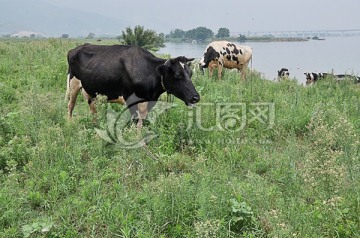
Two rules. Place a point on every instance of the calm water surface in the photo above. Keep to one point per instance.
(340, 54)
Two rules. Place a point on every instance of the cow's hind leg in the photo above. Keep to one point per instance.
(74, 86)
(91, 101)
(243, 71)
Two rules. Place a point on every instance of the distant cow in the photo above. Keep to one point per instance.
(283, 73)
(127, 73)
(228, 55)
(311, 78)
(339, 77)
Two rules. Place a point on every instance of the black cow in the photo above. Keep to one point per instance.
(127, 73)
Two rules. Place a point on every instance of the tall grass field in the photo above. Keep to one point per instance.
(254, 158)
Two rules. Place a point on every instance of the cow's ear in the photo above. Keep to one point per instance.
(161, 69)
(182, 59)
(179, 59)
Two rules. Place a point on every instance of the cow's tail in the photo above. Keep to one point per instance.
(251, 62)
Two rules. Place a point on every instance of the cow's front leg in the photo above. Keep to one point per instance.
(119, 100)
(219, 70)
(210, 72)
(142, 113)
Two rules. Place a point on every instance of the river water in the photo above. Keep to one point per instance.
(338, 54)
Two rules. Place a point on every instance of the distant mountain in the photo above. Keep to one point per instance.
(50, 20)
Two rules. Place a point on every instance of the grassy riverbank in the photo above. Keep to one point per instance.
(253, 159)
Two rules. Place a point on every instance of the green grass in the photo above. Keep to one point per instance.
(296, 174)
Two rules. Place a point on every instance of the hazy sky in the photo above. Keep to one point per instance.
(236, 15)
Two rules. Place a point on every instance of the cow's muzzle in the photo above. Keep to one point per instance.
(195, 99)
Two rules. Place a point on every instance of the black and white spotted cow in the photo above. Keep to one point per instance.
(354, 78)
(311, 78)
(283, 73)
(228, 55)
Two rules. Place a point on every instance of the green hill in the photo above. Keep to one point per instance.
(50, 20)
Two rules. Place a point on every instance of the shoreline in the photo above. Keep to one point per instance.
(237, 39)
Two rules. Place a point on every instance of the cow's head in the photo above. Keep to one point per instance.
(357, 80)
(310, 78)
(210, 55)
(176, 79)
(283, 73)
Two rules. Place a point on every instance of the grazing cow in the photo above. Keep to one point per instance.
(127, 74)
(283, 73)
(311, 78)
(228, 55)
(339, 77)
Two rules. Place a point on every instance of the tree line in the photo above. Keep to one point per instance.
(151, 40)
(199, 33)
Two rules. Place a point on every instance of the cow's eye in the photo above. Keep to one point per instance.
(179, 76)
